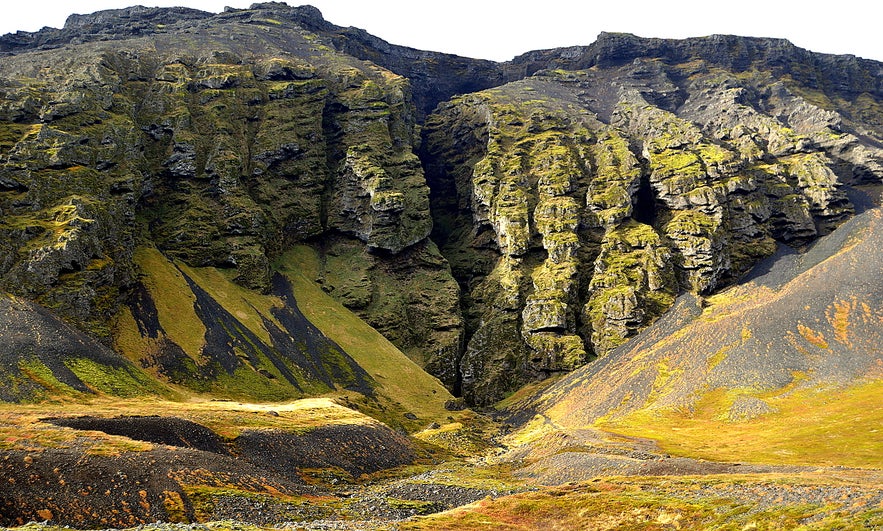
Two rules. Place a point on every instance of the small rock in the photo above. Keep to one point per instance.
(456, 404)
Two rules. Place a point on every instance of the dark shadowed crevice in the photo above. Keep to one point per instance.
(644, 202)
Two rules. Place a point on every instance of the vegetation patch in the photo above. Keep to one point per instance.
(405, 387)
(731, 502)
(815, 426)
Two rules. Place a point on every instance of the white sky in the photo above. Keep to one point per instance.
(500, 30)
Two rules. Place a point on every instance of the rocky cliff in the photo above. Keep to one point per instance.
(574, 205)
(499, 222)
(220, 141)
(801, 322)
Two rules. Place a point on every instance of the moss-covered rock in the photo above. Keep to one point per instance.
(221, 147)
(633, 283)
(581, 202)
(221, 156)
(410, 297)
(224, 139)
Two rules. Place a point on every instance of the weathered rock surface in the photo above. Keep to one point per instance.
(222, 140)
(801, 321)
(574, 205)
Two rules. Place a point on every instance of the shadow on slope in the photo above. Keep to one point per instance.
(198, 329)
(41, 356)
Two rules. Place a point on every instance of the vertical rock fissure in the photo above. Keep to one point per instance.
(644, 202)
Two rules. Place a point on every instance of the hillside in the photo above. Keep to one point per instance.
(222, 157)
(270, 263)
(782, 368)
(694, 158)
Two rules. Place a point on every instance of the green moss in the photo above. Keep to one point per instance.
(713, 154)
(744, 254)
(11, 134)
(35, 370)
(633, 284)
(403, 386)
(691, 222)
(247, 383)
(174, 301)
(123, 381)
(562, 352)
(412, 507)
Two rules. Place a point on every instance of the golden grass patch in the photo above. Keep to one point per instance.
(812, 426)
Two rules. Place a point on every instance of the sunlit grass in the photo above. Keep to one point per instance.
(657, 503)
(812, 426)
(400, 379)
(21, 427)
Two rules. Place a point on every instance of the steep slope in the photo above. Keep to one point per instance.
(43, 357)
(434, 76)
(575, 205)
(560, 213)
(783, 367)
(196, 328)
(204, 217)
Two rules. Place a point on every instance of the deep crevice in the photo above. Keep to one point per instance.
(644, 202)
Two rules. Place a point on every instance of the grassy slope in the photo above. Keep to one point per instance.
(174, 305)
(816, 427)
(174, 301)
(806, 350)
(401, 379)
(404, 386)
(664, 503)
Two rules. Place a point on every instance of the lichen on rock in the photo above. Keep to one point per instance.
(581, 202)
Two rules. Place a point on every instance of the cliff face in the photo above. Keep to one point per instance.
(802, 321)
(220, 142)
(553, 209)
(574, 205)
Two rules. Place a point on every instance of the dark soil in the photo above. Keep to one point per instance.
(30, 332)
(71, 487)
(171, 431)
(357, 449)
(238, 479)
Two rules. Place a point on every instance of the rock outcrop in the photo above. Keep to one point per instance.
(574, 205)
(222, 140)
(801, 322)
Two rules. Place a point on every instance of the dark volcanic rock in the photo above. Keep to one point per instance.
(72, 487)
(170, 431)
(37, 342)
(356, 449)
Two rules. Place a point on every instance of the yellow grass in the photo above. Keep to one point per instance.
(174, 300)
(401, 380)
(812, 426)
